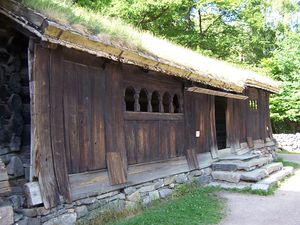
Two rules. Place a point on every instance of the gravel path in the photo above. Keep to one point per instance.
(281, 209)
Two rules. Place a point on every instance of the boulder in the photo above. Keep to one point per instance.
(15, 167)
(66, 219)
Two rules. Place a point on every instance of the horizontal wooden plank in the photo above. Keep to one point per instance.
(216, 93)
(152, 116)
(97, 182)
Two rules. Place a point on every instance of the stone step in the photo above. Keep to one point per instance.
(273, 179)
(234, 165)
(229, 176)
(277, 176)
(226, 185)
(273, 167)
(243, 157)
(254, 175)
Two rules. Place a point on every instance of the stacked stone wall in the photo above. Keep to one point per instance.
(289, 142)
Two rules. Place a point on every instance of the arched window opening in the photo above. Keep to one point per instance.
(129, 99)
(176, 104)
(155, 101)
(166, 102)
(143, 100)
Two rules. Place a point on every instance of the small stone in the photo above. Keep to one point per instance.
(203, 180)
(88, 201)
(147, 188)
(154, 195)
(6, 215)
(41, 211)
(116, 205)
(181, 179)
(164, 193)
(197, 173)
(81, 211)
(172, 185)
(15, 143)
(129, 190)
(29, 212)
(169, 180)
(17, 217)
(29, 221)
(130, 205)
(118, 196)
(159, 184)
(134, 197)
(16, 201)
(232, 177)
(15, 167)
(146, 201)
(66, 219)
(207, 171)
(109, 194)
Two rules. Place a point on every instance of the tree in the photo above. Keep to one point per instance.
(284, 66)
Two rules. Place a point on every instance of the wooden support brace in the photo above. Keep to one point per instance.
(192, 159)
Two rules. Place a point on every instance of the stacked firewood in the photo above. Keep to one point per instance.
(14, 103)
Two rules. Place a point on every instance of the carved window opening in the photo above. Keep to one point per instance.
(155, 101)
(176, 104)
(253, 104)
(166, 102)
(143, 100)
(129, 98)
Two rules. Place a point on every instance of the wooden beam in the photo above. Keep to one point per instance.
(216, 93)
(192, 160)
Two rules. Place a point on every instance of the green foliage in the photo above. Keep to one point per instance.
(284, 66)
(288, 163)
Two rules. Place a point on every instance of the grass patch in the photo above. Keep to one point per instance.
(288, 152)
(189, 204)
(288, 163)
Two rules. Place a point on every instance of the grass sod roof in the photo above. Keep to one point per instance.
(65, 23)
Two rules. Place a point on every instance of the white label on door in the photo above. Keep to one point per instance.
(197, 133)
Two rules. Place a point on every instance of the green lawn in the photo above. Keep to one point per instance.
(189, 205)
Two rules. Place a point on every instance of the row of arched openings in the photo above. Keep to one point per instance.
(144, 101)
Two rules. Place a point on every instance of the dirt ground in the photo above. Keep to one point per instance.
(281, 209)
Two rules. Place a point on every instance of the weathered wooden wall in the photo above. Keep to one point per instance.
(152, 136)
(81, 124)
(200, 116)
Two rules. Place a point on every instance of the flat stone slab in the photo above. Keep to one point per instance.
(225, 166)
(225, 185)
(254, 175)
(261, 187)
(249, 165)
(273, 167)
(232, 177)
(243, 157)
(277, 176)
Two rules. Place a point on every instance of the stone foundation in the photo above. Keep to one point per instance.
(289, 142)
(129, 197)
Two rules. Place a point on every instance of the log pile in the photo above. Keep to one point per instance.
(14, 106)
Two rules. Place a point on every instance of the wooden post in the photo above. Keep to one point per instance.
(149, 106)
(213, 131)
(137, 107)
(192, 160)
(114, 125)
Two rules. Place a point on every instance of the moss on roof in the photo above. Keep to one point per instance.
(118, 34)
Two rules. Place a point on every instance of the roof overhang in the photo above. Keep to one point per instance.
(216, 93)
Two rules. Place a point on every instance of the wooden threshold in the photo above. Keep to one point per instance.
(97, 182)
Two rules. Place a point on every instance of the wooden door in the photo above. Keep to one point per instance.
(83, 105)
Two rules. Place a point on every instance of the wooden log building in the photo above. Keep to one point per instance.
(102, 116)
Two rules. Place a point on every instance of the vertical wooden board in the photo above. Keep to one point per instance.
(154, 137)
(229, 112)
(116, 169)
(164, 142)
(41, 109)
(83, 118)
(172, 139)
(189, 121)
(213, 131)
(97, 149)
(71, 117)
(192, 160)
(270, 132)
(141, 142)
(114, 121)
(180, 138)
(130, 139)
(57, 125)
